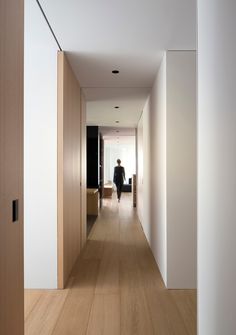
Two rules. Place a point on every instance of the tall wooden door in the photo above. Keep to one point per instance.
(11, 167)
(83, 170)
(69, 189)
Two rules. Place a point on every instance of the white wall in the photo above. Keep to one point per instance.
(216, 167)
(169, 165)
(125, 151)
(40, 162)
(146, 190)
(181, 173)
(139, 141)
(152, 169)
(158, 169)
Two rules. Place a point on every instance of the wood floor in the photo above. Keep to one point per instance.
(115, 287)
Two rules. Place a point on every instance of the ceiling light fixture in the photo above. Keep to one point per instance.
(115, 71)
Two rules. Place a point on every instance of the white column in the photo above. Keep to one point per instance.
(216, 167)
(168, 206)
(181, 164)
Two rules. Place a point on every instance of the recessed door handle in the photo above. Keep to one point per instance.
(15, 210)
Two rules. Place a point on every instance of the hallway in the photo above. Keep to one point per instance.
(115, 287)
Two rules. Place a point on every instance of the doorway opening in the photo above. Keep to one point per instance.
(104, 146)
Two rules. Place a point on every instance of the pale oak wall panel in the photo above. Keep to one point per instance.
(69, 160)
(11, 166)
(83, 172)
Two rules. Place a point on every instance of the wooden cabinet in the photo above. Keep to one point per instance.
(107, 193)
(92, 201)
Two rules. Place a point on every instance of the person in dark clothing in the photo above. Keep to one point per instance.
(119, 177)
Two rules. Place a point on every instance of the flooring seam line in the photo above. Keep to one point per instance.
(31, 310)
(90, 312)
(119, 267)
(145, 294)
(143, 288)
(91, 307)
(59, 315)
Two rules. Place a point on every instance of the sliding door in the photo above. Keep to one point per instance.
(11, 167)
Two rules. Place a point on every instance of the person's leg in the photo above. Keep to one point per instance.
(120, 189)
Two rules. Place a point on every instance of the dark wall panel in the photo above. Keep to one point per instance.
(92, 157)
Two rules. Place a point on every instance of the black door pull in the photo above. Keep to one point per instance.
(15, 210)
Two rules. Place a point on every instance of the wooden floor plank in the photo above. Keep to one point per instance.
(43, 317)
(105, 315)
(75, 314)
(186, 302)
(108, 276)
(31, 299)
(86, 277)
(116, 288)
(135, 314)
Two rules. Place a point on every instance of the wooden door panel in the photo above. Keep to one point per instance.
(83, 169)
(11, 166)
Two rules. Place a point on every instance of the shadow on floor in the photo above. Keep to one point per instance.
(90, 222)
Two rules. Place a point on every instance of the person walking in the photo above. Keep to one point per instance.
(119, 177)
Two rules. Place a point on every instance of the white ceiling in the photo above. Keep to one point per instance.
(114, 132)
(101, 105)
(128, 35)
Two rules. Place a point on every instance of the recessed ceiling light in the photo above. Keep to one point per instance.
(117, 107)
(115, 71)
(117, 121)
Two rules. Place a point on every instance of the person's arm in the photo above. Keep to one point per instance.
(114, 176)
(124, 173)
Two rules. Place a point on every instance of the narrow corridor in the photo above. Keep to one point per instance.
(115, 287)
